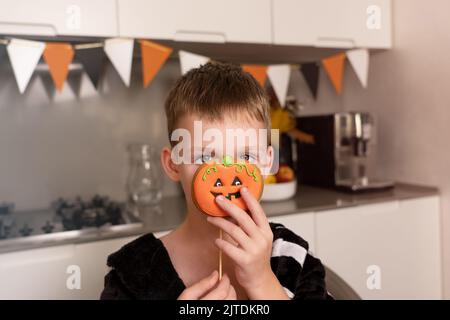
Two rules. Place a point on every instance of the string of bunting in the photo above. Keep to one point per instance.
(24, 56)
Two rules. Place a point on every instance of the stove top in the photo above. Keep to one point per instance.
(64, 215)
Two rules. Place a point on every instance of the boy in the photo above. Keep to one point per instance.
(260, 260)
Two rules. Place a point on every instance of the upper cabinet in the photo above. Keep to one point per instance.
(93, 18)
(333, 23)
(247, 21)
(317, 23)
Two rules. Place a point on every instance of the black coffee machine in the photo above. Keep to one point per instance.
(341, 153)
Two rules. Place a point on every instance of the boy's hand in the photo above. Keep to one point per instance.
(205, 290)
(252, 255)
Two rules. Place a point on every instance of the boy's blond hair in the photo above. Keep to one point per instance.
(215, 89)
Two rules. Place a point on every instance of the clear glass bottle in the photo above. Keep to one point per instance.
(144, 182)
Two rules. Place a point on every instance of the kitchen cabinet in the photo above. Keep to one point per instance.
(246, 21)
(94, 18)
(43, 273)
(300, 223)
(384, 251)
(333, 23)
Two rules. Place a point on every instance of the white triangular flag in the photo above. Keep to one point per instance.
(279, 75)
(120, 53)
(24, 56)
(359, 59)
(190, 61)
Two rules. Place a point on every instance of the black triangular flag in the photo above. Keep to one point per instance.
(310, 72)
(93, 62)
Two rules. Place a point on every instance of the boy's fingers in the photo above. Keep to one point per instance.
(221, 291)
(197, 290)
(241, 217)
(232, 229)
(258, 215)
(236, 254)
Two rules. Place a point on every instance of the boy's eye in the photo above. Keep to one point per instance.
(203, 158)
(218, 183)
(247, 157)
(236, 182)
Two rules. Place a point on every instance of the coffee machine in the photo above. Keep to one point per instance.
(341, 154)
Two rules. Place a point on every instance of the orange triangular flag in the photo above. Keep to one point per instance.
(153, 57)
(259, 72)
(334, 67)
(58, 57)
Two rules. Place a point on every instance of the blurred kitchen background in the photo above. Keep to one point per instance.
(64, 145)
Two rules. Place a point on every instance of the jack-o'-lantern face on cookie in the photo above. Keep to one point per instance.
(226, 178)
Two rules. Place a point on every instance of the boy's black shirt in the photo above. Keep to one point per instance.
(142, 269)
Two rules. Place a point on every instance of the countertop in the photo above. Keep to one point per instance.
(170, 213)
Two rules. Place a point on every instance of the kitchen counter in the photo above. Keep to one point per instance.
(170, 213)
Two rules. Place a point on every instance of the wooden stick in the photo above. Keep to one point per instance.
(220, 256)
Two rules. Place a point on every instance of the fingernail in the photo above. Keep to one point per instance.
(220, 198)
(244, 190)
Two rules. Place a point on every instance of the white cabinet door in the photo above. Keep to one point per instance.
(43, 273)
(384, 251)
(36, 274)
(301, 223)
(332, 23)
(59, 17)
(197, 20)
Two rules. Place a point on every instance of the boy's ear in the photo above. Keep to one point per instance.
(268, 161)
(168, 165)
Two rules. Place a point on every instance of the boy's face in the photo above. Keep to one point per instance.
(208, 149)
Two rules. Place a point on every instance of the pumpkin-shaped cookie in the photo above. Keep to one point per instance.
(226, 178)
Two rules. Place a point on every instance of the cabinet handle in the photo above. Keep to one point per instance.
(332, 42)
(42, 29)
(199, 36)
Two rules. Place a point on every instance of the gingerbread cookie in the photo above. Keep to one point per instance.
(226, 178)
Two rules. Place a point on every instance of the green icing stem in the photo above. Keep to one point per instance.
(239, 167)
(208, 171)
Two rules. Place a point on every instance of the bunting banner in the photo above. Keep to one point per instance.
(259, 72)
(359, 60)
(279, 76)
(334, 67)
(92, 60)
(153, 58)
(58, 57)
(24, 56)
(120, 53)
(190, 61)
(311, 72)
